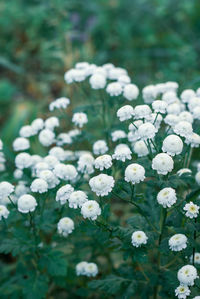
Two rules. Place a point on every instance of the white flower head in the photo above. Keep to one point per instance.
(23, 160)
(77, 199)
(142, 111)
(139, 238)
(171, 120)
(86, 163)
(39, 185)
(183, 128)
(51, 161)
(102, 184)
(3, 212)
(46, 137)
(193, 140)
(100, 147)
(63, 193)
(196, 258)
(162, 163)
(114, 89)
(60, 103)
(51, 123)
(197, 177)
(159, 106)
(117, 135)
(187, 94)
(91, 269)
(103, 162)
(80, 268)
(50, 178)
(134, 173)
(131, 92)
(140, 148)
(182, 171)
(97, 81)
(91, 210)
(37, 125)
(124, 113)
(186, 116)
(26, 203)
(178, 242)
(65, 226)
(147, 131)
(79, 119)
(21, 144)
(122, 152)
(149, 93)
(57, 152)
(187, 275)
(167, 197)
(26, 131)
(65, 171)
(191, 209)
(182, 292)
(63, 138)
(6, 189)
(172, 145)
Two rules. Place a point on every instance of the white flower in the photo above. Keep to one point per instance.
(187, 94)
(197, 177)
(118, 134)
(90, 209)
(65, 172)
(133, 127)
(61, 103)
(196, 297)
(57, 152)
(1, 145)
(186, 116)
(187, 275)
(86, 163)
(39, 185)
(178, 242)
(18, 173)
(63, 138)
(183, 128)
(149, 93)
(147, 131)
(23, 160)
(21, 189)
(167, 197)
(26, 203)
(77, 199)
(65, 226)
(159, 106)
(100, 147)
(3, 212)
(6, 189)
(169, 97)
(191, 209)
(77, 75)
(97, 81)
(63, 193)
(193, 140)
(115, 72)
(134, 173)
(37, 125)
(196, 258)
(51, 161)
(80, 268)
(196, 112)
(21, 144)
(172, 145)
(40, 166)
(138, 238)
(162, 163)
(182, 292)
(193, 103)
(51, 123)
(125, 112)
(82, 65)
(102, 184)
(46, 137)
(114, 89)
(26, 131)
(79, 119)
(174, 108)
(103, 162)
(124, 80)
(122, 152)
(91, 269)
(74, 133)
(131, 92)
(171, 120)
(140, 148)
(142, 111)
(50, 178)
(182, 171)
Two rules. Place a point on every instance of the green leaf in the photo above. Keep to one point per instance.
(55, 263)
(35, 286)
(13, 246)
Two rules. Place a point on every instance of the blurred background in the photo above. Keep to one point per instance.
(156, 40)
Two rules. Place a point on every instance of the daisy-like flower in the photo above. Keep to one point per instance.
(191, 209)
(167, 197)
(86, 163)
(3, 212)
(131, 92)
(134, 173)
(171, 120)
(65, 226)
(65, 172)
(118, 134)
(169, 97)
(193, 140)
(140, 148)
(21, 144)
(6, 189)
(51, 161)
(182, 292)
(103, 162)
(114, 89)
(61, 103)
(39, 185)
(142, 111)
(159, 106)
(187, 94)
(162, 163)
(100, 147)
(186, 116)
(91, 210)
(183, 128)
(122, 152)
(37, 125)
(80, 119)
(139, 238)
(27, 131)
(147, 131)
(77, 199)
(124, 113)
(63, 193)
(187, 275)
(50, 178)
(57, 152)
(46, 137)
(91, 270)
(172, 145)
(178, 242)
(26, 203)
(97, 81)
(102, 184)
(23, 160)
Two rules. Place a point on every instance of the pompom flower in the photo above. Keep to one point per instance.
(167, 197)
(102, 184)
(139, 238)
(162, 163)
(187, 275)
(26, 203)
(178, 242)
(134, 173)
(91, 210)
(65, 226)
(191, 209)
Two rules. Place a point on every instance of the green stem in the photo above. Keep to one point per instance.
(195, 236)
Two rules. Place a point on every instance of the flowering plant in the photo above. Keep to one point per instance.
(116, 197)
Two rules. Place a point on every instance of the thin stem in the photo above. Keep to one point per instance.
(32, 224)
(195, 236)
(12, 202)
